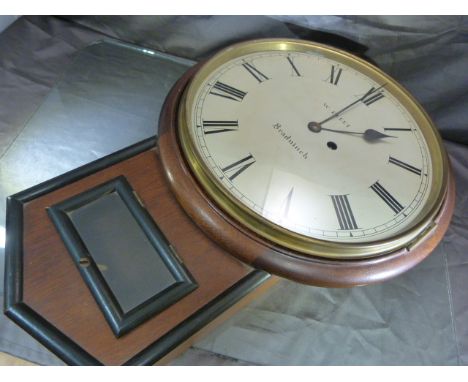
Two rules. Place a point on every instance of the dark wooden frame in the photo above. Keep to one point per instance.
(120, 322)
(52, 338)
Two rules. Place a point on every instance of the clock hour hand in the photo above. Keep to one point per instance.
(369, 135)
(373, 135)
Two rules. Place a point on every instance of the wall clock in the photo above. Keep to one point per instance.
(307, 161)
(295, 158)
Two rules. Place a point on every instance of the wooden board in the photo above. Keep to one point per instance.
(46, 295)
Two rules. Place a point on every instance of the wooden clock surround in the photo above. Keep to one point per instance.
(260, 253)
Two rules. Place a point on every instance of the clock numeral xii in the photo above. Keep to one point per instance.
(373, 95)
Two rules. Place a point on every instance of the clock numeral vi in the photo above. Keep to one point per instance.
(343, 212)
(214, 127)
(222, 90)
(387, 197)
(235, 169)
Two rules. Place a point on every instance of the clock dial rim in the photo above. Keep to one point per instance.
(260, 253)
(280, 235)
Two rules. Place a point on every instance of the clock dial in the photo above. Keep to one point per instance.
(312, 144)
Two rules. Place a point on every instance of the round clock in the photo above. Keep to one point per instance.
(307, 161)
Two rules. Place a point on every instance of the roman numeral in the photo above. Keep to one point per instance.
(214, 127)
(373, 95)
(387, 197)
(259, 76)
(235, 169)
(293, 66)
(226, 91)
(335, 75)
(404, 165)
(343, 212)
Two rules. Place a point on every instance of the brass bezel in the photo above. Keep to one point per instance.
(277, 234)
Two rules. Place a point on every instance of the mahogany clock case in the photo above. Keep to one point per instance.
(263, 254)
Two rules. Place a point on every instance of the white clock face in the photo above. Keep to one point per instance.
(312, 145)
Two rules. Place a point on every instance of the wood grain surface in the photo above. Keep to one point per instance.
(54, 288)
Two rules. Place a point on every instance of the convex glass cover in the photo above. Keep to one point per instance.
(312, 148)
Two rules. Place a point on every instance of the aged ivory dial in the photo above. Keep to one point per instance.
(313, 145)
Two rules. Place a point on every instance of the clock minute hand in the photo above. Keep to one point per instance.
(338, 113)
(369, 135)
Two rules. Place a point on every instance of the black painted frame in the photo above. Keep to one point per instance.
(52, 338)
(120, 322)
